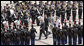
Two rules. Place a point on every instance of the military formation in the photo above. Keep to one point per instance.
(16, 20)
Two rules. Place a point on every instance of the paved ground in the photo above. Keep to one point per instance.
(44, 41)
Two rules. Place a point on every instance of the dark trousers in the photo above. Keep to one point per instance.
(74, 40)
(68, 14)
(27, 42)
(58, 13)
(22, 42)
(62, 17)
(42, 31)
(54, 41)
(70, 40)
(80, 13)
(32, 41)
(37, 20)
(63, 41)
(79, 39)
(47, 32)
(74, 15)
(33, 19)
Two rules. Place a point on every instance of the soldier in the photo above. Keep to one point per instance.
(70, 34)
(63, 12)
(58, 34)
(75, 31)
(80, 8)
(74, 7)
(33, 31)
(28, 36)
(68, 10)
(17, 37)
(80, 29)
(64, 34)
(58, 8)
(33, 14)
(54, 32)
(23, 35)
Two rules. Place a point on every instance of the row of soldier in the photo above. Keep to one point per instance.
(23, 13)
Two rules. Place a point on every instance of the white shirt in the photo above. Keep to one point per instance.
(57, 22)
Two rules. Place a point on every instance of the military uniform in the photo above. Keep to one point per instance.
(68, 10)
(28, 36)
(74, 10)
(80, 8)
(62, 12)
(70, 34)
(33, 30)
(54, 32)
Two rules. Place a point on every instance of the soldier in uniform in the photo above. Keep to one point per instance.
(80, 8)
(68, 10)
(80, 33)
(33, 14)
(33, 31)
(74, 7)
(28, 36)
(23, 35)
(58, 34)
(63, 12)
(70, 34)
(58, 8)
(64, 34)
(75, 31)
(54, 32)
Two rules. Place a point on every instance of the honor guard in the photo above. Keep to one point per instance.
(80, 33)
(28, 36)
(63, 12)
(75, 31)
(58, 8)
(54, 32)
(70, 34)
(74, 8)
(33, 31)
(80, 9)
(58, 35)
(68, 10)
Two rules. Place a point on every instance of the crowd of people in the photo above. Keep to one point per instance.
(15, 22)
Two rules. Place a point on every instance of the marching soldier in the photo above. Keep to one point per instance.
(63, 12)
(80, 8)
(58, 8)
(68, 10)
(74, 7)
